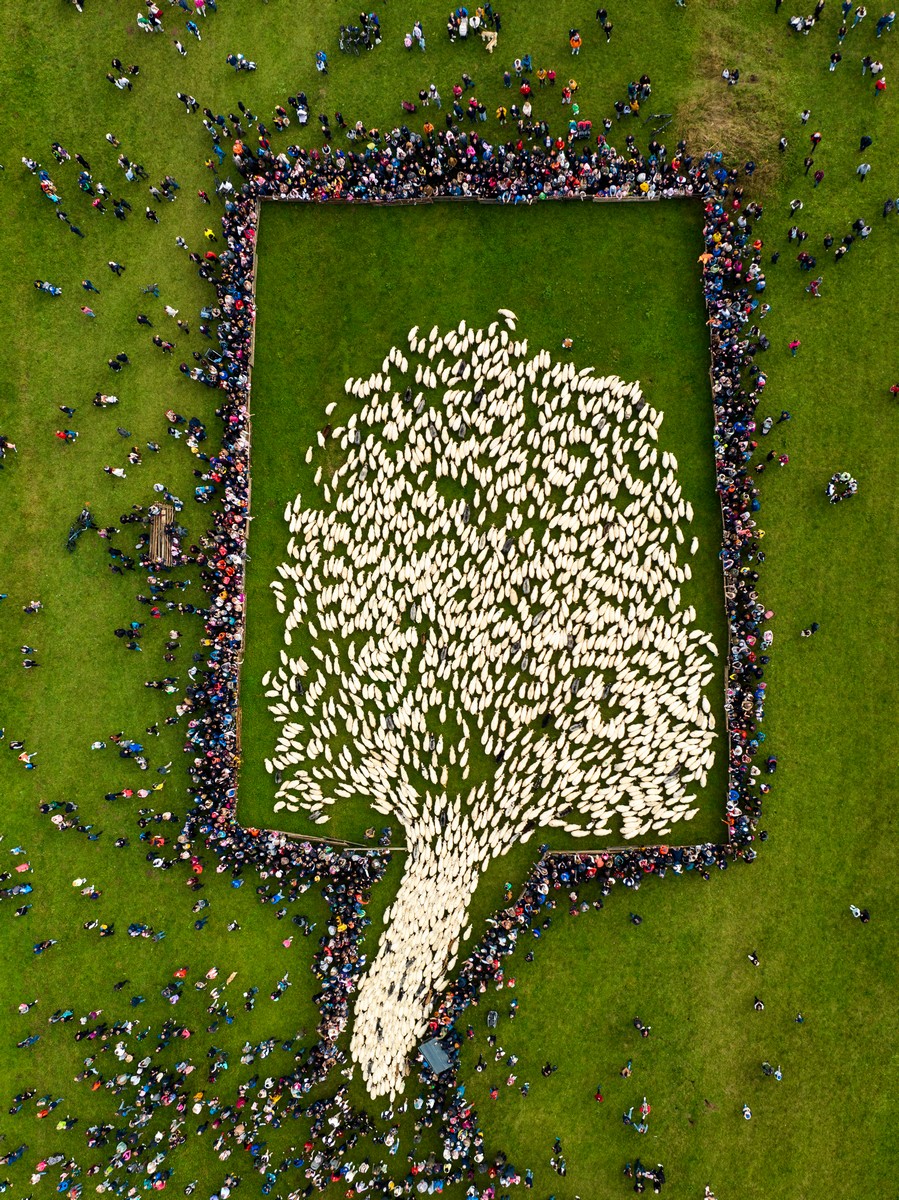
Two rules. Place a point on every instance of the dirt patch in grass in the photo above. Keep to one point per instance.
(743, 121)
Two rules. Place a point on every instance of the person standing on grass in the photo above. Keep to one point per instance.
(794, 346)
(862, 171)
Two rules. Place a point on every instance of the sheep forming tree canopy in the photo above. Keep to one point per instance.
(489, 602)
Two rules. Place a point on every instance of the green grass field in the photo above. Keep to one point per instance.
(586, 271)
(825, 1130)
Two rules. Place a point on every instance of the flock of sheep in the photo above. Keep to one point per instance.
(485, 600)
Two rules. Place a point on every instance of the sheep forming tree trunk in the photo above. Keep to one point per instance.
(418, 949)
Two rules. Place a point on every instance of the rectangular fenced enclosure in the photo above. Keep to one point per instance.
(337, 287)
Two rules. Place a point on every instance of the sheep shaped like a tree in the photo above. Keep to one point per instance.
(487, 589)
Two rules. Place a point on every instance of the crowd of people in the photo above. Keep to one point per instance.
(455, 161)
(404, 166)
(459, 162)
(286, 868)
(840, 486)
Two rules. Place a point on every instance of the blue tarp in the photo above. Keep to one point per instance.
(435, 1056)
